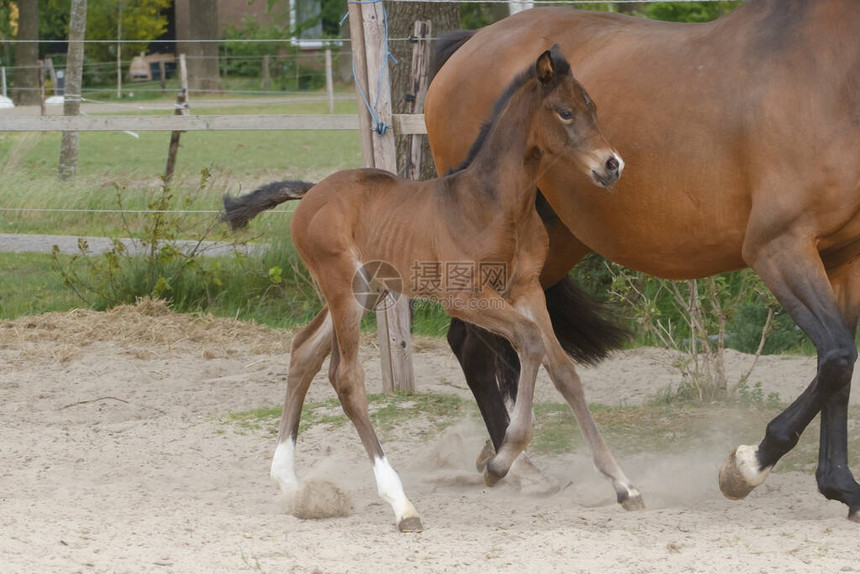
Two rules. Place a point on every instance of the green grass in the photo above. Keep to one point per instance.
(675, 428)
(627, 430)
(28, 286)
(114, 160)
(386, 411)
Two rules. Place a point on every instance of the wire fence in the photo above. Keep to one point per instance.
(284, 62)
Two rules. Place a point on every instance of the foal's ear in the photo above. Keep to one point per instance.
(551, 64)
(545, 68)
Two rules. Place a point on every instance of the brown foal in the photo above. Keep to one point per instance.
(483, 214)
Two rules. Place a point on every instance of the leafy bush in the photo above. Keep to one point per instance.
(689, 11)
(290, 69)
(158, 269)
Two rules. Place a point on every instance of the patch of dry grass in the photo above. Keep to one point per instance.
(148, 323)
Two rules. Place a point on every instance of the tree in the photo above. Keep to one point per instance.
(690, 11)
(26, 89)
(8, 27)
(401, 20)
(203, 55)
(143, 20)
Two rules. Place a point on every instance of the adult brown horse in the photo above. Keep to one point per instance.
(742, 143)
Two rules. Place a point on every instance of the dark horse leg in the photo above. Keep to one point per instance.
(491, 366)
(479, 353)
(835, 480)
(824, 303)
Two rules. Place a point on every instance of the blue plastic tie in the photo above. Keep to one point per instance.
(379, 127)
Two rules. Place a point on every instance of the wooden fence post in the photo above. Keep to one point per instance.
(41, 66)
(266, 77)
(181, 110)
(49, 66)
(162, 76)
(370, 57)
(418, 90)
(329, 81)
(73, 93)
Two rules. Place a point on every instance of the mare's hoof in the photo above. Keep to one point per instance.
(854, 515)
(740, 473)
(410, 524)
(484, 456)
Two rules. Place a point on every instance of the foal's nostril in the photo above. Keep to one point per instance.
(612, 166)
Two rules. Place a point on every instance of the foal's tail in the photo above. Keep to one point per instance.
(238, 211)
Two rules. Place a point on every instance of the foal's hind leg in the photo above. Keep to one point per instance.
(793, 270)
(310, 348)
(347, 377)
(563, 374)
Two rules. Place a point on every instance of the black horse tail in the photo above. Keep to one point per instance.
(446, 45)
(238, 211)
(581, 325)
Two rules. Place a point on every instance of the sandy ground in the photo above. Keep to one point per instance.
(118, 455)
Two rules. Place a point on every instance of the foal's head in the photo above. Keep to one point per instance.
(566, 125)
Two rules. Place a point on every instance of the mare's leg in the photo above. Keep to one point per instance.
(476, 350)
(835, 480)
(563, 373)
(497, 316)
(310, 348)
(347, 376)
(793, 270)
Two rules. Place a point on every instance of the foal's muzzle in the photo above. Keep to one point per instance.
(609, 172)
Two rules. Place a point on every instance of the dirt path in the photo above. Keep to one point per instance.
(119, 455)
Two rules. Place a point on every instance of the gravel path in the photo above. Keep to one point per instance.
(23, 243)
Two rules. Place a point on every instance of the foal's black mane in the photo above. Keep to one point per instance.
(562, 67)
(488, 124)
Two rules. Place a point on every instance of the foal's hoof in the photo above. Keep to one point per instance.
(632, 502)
(491, 478)
(740, 474)
(410, 524)
(485, 455)
(854, 515)
(531, 480)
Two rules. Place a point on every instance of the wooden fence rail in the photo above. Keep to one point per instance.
(404, 124)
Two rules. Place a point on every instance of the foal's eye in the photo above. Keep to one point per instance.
(566, 115)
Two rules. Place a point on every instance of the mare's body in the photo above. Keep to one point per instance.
(742, 142)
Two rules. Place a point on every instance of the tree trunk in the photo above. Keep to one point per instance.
(26, 90)
(203, 56)
(401, 21)
(72, 99)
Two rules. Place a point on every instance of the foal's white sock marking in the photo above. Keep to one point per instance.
(391, 489)
(746, 459)
(283, 471)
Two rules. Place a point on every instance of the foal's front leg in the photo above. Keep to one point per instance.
(563, 374)
(499, 317)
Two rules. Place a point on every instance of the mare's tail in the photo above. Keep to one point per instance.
(238, 211)
(449, 43)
